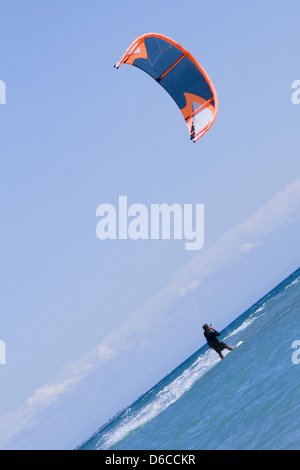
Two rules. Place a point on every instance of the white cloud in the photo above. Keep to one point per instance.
(72, 374)
(105, 352)
(245, 247)
(279, 210)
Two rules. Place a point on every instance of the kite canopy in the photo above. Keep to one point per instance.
(176, 70)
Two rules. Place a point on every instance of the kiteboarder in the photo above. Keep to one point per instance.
(212, 341)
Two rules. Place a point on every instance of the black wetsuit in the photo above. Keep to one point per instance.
(213, 342)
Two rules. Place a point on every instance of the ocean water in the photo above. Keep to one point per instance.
(249, 400)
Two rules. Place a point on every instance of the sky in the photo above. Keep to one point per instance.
(91, 324)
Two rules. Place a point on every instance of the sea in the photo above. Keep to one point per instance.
(250, 400)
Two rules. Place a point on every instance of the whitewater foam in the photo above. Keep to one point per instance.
(242, 327)
(296, 281)
(166, 397)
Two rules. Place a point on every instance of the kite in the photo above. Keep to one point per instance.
(178, 72)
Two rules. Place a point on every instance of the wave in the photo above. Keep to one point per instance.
(260, 309)
(242, 327)
(296, 281)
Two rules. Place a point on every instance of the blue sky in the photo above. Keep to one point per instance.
(89, 325)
